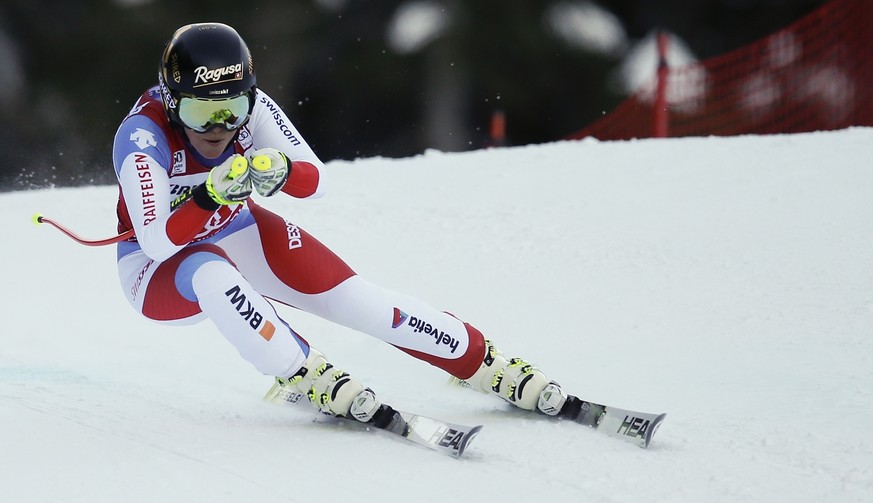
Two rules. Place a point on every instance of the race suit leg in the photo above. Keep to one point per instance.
(285, 263)
(200, 281)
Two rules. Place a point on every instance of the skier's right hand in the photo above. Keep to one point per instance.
(230, 182)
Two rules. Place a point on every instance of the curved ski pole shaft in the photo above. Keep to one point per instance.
(38, 218)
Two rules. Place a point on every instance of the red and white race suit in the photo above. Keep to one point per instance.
(187, 263)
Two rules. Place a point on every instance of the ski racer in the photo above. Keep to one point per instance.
(188, 156)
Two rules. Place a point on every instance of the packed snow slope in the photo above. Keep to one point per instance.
(725, 281)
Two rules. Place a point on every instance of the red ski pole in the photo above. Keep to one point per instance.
(38, 218)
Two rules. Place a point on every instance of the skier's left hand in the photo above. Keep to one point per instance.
(270, 170)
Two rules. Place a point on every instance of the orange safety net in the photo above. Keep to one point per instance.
(816, 74)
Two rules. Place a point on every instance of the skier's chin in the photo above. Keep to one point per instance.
(210, 144)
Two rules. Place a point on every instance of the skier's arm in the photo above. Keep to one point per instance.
(271, 128)
(140, 155)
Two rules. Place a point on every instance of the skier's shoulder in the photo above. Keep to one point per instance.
(267, 111)
(145, 130)
(270, 125)
(149, 105)
(146, 118)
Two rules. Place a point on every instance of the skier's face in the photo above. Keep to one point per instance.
(212, 143)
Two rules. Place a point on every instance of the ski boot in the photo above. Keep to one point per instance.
(332, 390)
(518, 382)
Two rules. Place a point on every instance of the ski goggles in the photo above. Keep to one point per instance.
(202, 114)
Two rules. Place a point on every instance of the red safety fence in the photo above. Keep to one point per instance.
(816, 74)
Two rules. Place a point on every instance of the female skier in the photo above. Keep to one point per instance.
(188, 156)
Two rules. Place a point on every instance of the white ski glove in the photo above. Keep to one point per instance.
(230, 182)
(270, 170)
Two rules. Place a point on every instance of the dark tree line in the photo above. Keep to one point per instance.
(73, 68)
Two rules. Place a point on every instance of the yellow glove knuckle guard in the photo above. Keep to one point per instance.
(262, 162)
(238, 167)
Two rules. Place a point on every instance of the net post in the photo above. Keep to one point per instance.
(660, 116)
